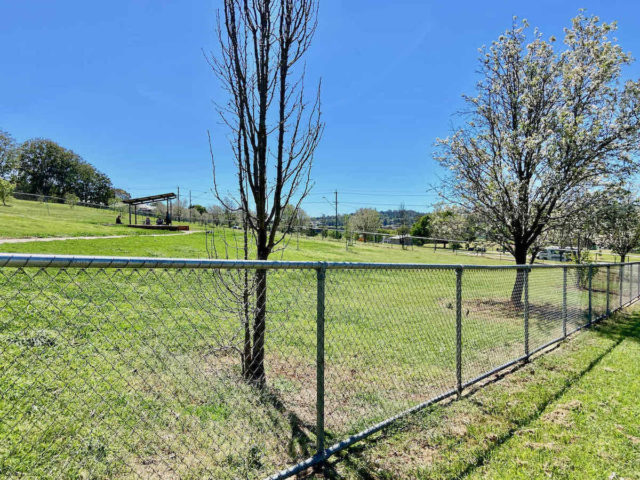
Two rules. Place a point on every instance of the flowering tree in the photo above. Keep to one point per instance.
(544, 130)
(619, 224)
(365, 220)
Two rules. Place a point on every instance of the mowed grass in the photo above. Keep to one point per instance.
(25, 218)
(569, 414)
(306, 249)
(126, 373)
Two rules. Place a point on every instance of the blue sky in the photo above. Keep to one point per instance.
(125, 85)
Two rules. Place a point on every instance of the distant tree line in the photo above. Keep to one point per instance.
(41, 166)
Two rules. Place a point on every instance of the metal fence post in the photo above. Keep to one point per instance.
(321, 276)
(590, 294)
(630, 282)
(621, 275)
(564, 302)
(608, 311)
(459, 330)
(526, 313)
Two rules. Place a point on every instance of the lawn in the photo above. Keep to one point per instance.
(306, 249)
(121, 373)
(570, 414)
(25, 218)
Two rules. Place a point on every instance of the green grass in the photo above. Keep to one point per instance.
(119, 373)
(193, 246)
(24, 218)
(570, 414)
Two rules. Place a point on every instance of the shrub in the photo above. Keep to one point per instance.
(6, 189)
(71, 199)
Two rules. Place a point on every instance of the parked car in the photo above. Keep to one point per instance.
(557, 254)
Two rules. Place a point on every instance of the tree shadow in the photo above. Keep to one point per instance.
(353, 462)
(301, 443)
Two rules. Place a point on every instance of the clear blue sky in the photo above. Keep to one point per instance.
(125, 85)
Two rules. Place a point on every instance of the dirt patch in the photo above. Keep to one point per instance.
(508, 311)
(294, 382)
(420, 453)
(542, 446)
(562, 413)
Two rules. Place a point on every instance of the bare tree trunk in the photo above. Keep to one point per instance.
(246, 354)
(518, 286)
(261, 43)
(257, 372)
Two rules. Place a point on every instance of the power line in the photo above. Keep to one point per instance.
(372, 204)
(377, 194)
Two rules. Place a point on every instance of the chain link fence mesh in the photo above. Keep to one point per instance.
(140, 372)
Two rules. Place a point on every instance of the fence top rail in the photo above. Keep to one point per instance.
(82, 261)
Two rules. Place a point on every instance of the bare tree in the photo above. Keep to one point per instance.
(544, 130)
(274, 130)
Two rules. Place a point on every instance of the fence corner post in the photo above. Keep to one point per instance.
(320, 276)
(459, 330)
(526, 313)
(564, 302)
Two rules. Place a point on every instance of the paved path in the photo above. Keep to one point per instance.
(55, 239)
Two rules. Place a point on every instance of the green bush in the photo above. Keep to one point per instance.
(71, 199)
(6, 189)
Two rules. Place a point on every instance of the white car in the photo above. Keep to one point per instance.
(557, 254)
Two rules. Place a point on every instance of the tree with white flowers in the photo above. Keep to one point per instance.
(365, 220)
(619, 224)
(547, 127)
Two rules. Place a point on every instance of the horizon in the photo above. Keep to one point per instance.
(109, 83)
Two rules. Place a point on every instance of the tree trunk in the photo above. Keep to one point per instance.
(246, 353)
(623, 257)
(518, 286)
(256, 372)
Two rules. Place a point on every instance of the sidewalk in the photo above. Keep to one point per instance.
(55, 239)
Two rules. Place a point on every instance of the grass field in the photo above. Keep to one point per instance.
(570, 414)
(25, 218)
(125, 373)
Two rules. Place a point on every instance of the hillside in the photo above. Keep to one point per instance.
(387, 218)
(24, 218)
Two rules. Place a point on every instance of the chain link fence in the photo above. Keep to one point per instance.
(136, 368)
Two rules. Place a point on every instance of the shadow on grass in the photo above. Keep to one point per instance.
(352, 463)
(300, 444)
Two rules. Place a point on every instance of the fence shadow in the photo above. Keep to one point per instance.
(353, 462)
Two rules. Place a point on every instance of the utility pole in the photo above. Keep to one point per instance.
(190, 205)
(178, 203)
(336, 192)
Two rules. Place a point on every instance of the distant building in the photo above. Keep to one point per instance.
(398, 240)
